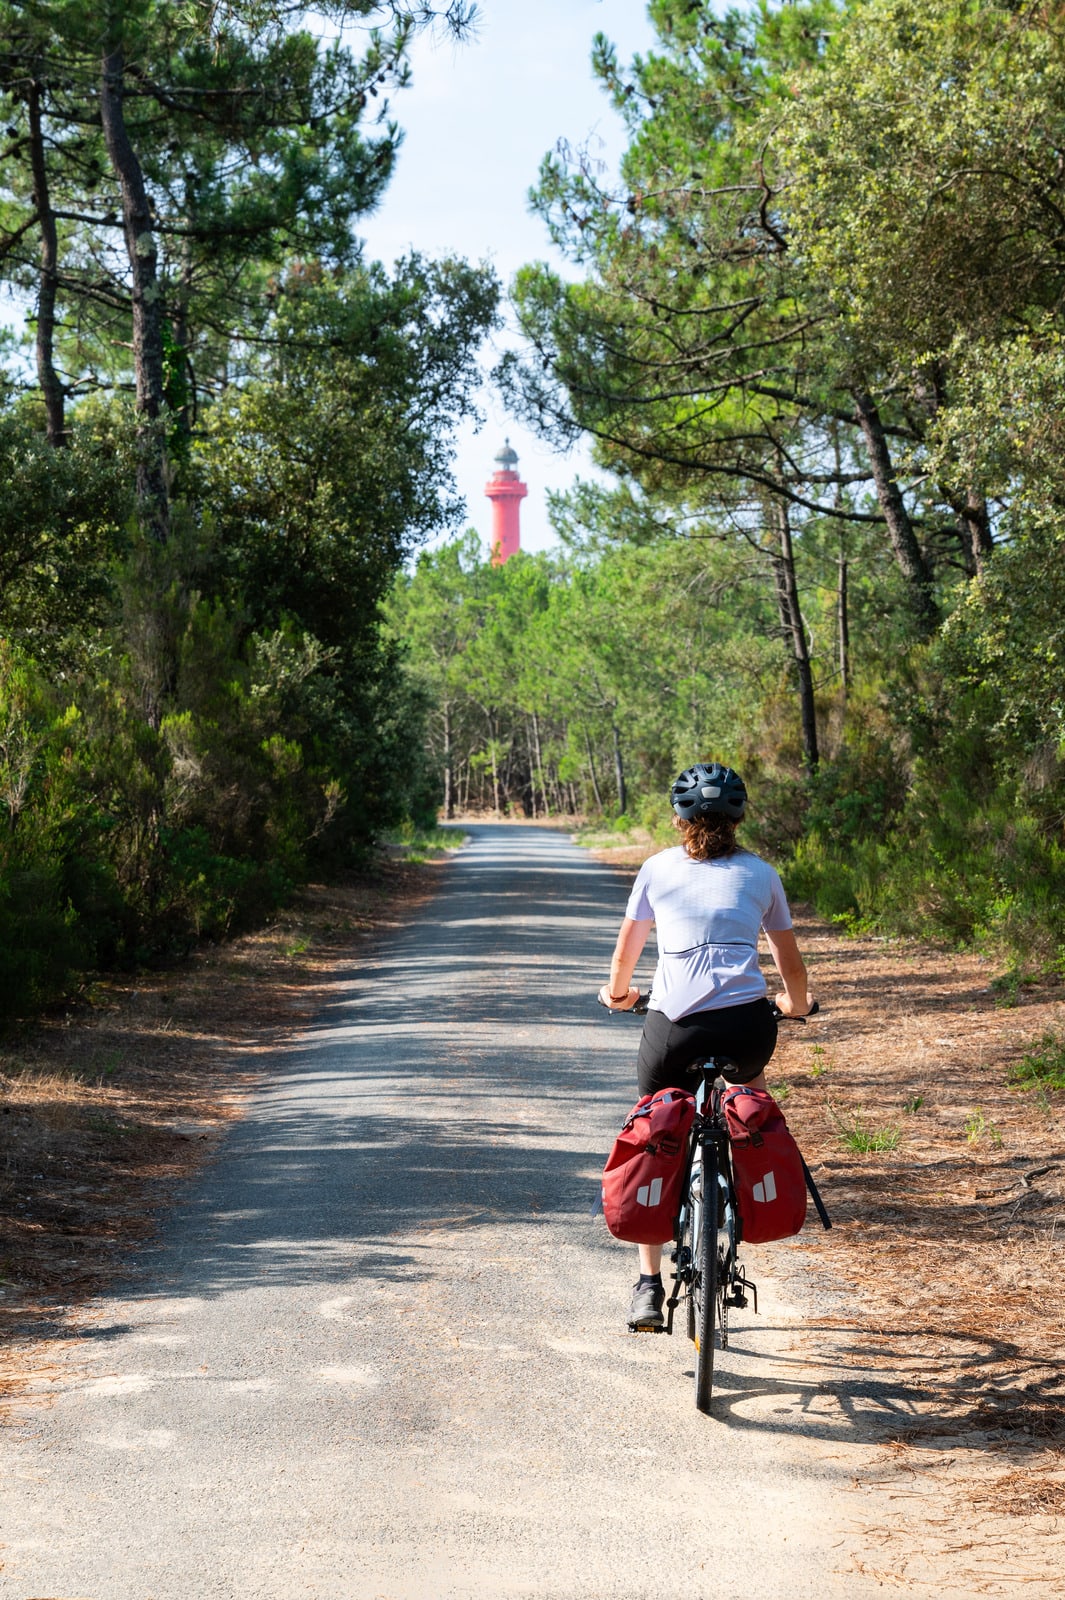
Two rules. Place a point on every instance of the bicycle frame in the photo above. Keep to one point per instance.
(707, 1274)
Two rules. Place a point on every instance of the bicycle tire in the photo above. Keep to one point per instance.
(687, 1233)
(726, 1255)
(704, 1282)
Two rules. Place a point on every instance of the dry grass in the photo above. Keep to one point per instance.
(952, 1237)
(949, 1245)
(1027, 1491)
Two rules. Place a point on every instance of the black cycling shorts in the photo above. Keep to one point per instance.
(746, 1035)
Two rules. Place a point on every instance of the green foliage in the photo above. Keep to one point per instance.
(242, 429)
(568, 683)
(42, 949)
(418, 844)
(856, 1134)
(819, 206)
(1008, 986)
(964, 867)
(210, 895)
(978, 1127)
(950, 113)
(837, 230)
(1042, 1068)
(63, 518)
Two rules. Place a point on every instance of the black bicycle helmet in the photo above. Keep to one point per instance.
(708, 790)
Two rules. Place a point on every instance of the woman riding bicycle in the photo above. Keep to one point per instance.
(708, 897)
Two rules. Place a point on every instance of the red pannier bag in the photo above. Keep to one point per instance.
(645, 1169)
(767, 1166)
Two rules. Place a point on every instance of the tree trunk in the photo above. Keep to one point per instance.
(540, 765)
(976, 525)
(47, 377)
(449, 778)
(591, 769)
(795, 630)
(619, 771)
(530, 802)
(182, 397)
(843, 621)
(152, 488)
(493, 751)
(908, 553)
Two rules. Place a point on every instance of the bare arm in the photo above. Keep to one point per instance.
(796, 999)
(632, 937)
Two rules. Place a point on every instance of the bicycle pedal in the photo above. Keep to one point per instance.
(647, 1327)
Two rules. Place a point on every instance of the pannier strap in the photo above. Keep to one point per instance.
(826, 1220)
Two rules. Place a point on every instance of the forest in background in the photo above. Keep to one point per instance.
(813, 329)
(815, 332)
(223, 435)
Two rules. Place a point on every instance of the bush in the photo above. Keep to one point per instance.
(41, 946)
(1043, 1068)
(208, 895)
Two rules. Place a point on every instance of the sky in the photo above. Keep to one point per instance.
(478, 119)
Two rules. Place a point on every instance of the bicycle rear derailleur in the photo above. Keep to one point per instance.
(738, 1288)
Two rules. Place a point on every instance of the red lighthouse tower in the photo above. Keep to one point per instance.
(506, 492)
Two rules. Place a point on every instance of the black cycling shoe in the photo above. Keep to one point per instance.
(646, 1308)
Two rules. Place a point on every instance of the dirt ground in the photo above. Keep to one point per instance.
(946, 1244)
(943, 1256)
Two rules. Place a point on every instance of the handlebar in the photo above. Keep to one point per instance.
(782, 1016)
(639, 1009)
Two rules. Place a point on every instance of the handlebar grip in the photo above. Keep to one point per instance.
(638, 1010)
(782, 1016)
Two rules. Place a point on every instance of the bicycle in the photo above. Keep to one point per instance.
(707, 1274)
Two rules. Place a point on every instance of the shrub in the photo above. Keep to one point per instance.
(41, 945)
(1042, 1068)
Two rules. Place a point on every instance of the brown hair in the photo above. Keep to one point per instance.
(707, 838)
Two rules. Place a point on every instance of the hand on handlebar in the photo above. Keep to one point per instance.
(631, 1000)
(793, 1016)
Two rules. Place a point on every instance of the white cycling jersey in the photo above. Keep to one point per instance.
(707, 915)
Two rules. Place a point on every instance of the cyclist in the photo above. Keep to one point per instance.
(708, 897)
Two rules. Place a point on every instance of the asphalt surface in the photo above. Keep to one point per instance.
(381, 1351)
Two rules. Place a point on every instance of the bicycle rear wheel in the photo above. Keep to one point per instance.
(704, 1281)
(687, 1237)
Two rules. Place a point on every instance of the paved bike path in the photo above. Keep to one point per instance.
(380, 1350)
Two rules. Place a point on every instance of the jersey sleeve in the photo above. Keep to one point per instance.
(777, 918)
(639, 908)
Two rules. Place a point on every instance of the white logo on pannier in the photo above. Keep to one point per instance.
(766, 1190)
(649, 1194)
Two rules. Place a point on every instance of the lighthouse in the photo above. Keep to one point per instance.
(506, 492)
